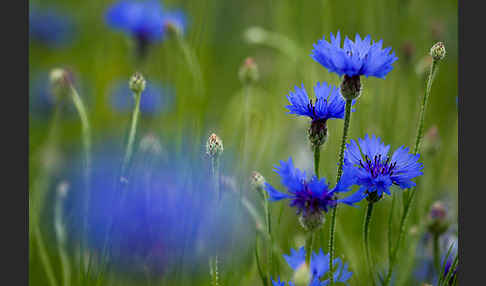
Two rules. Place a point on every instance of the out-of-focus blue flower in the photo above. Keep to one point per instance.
(163, 211)
(361, 57)
(371, 168)
(156, 97)
(329, 103)
(308, 196)
(425, 270)
(140, 19)
(50, 27)
(319, 266)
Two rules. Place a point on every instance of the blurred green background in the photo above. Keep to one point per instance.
(218, 36)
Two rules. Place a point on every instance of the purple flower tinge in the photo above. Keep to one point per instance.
(361, 57)
(308, 196)
(371, 168)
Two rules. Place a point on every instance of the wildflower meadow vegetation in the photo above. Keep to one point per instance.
(274, 143)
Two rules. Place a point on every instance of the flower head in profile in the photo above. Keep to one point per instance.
(308, 196)
(329, 104)
(319, 267)
(156, 98)
(375, 171)
(355, 58)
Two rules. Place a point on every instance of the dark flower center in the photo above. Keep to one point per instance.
(377, 166)
(307, 202)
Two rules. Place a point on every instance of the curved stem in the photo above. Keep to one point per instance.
(409, 195)
(131, 136)
(332, 229)
(366, 239)
(269, 232)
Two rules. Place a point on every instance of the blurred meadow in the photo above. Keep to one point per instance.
(193, 90)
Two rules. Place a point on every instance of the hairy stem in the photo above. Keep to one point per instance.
(308, 247)
(332, 229)
(317, 155)
(131, 136)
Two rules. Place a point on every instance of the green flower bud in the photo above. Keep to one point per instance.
(373, 197)
(257, 181)
(137, 83)
(351, 87)
(312, 220)
(248, 72)
(437, 220)
(438, 51)
(214, 146)
(317, 132)
(60, 81)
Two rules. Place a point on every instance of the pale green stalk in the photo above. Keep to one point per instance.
(131, 136)
(61, 235)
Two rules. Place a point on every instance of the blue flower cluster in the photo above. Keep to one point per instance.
(319, 267)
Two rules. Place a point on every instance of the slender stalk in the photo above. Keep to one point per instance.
(269, 232)
(86, 138)
(131, 136)
(193, 64)
(409, 195)
(390, 225)
(317, 155)
(308, 247)
(366, 239)
(332, 229)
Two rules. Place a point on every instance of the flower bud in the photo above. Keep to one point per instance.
(255, 35)
(214, 146)
(257, 181)
(431, 140)
(351, 87)
(302, 275)
(437, 220)
(310, 221)
(438, 51)
(137, 83)
(248, 72)
(317, 132)
(60, 81)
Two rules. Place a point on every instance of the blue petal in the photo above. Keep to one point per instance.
(296, 258)
(274, 194)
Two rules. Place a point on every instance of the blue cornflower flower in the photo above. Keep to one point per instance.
(155, 98)
(357, 58)
(329, 104)
(319, 267)
(50, 27)
(310, 197)
(375, 172)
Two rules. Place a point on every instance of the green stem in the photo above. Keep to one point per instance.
(61, 236)
(131, 136)
(366, 239)
(390, 226)
(269, 232)
(408, 199)
(308, 247)
(332, 229)
(317, 155)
